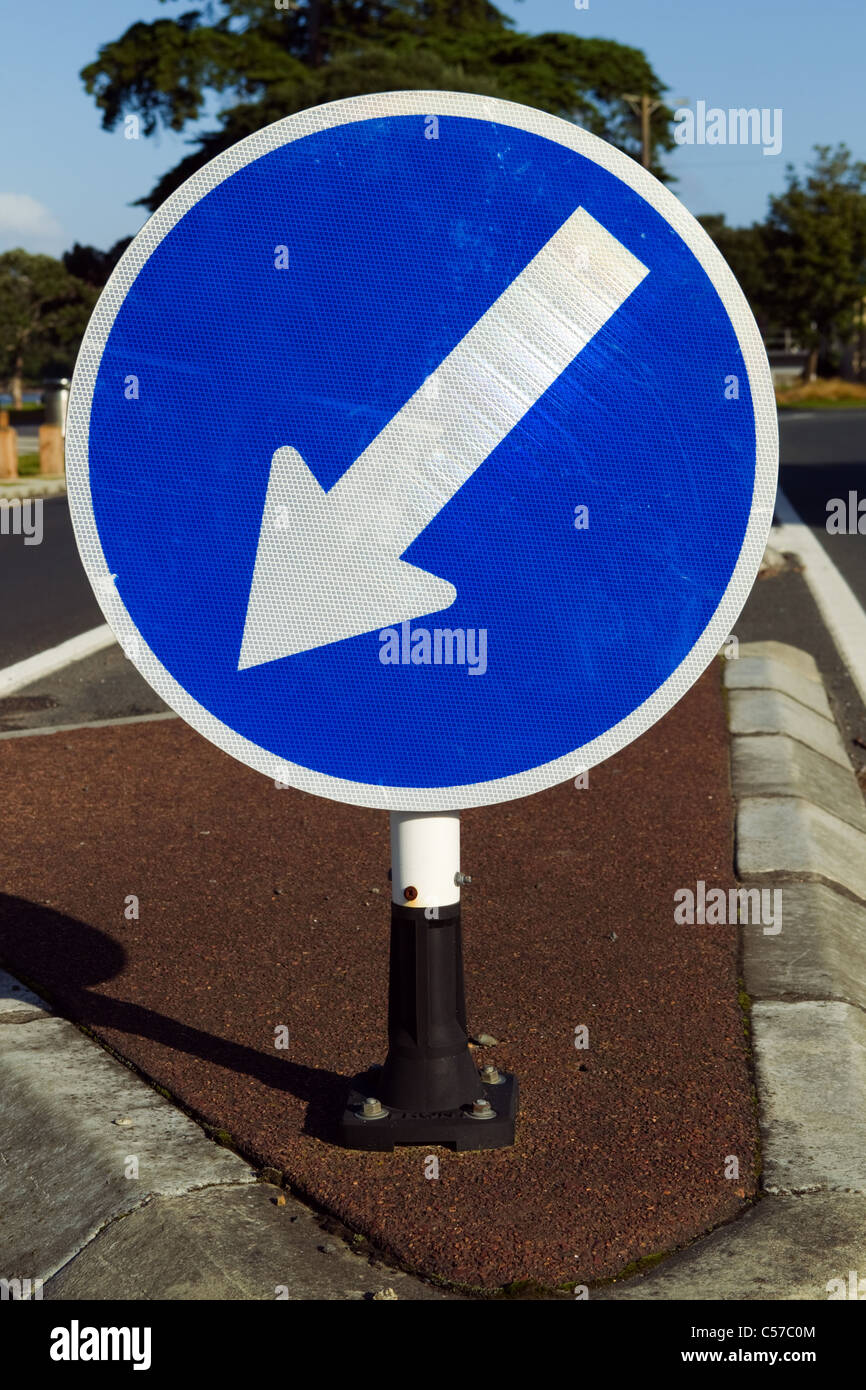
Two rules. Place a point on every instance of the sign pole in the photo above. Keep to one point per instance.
(429, 1090)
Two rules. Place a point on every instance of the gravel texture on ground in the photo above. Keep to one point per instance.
(261, 908)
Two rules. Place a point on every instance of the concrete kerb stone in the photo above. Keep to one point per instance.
(792, 838)
(37, 486)
(785, 1248)
(776, 712)
(227, 1243)
(800, 827)
(780, 653)
(764, 672)
(765, 765)
(819, 954)
(784, 838)
(810, 1062)
(801, 824)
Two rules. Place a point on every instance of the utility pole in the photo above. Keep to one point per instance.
(643, 105)
(314, 32)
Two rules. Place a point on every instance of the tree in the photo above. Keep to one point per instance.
(43, 315)
(271, 62)
(746, 252)
(816, 240)
(91, 265)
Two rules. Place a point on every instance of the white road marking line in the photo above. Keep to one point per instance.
(45, 729)
(33, 668)
(837, 603)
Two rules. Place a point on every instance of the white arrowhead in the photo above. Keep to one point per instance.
(328, 565)
(329, 577)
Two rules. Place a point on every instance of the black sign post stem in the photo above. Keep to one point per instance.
(430, 1090)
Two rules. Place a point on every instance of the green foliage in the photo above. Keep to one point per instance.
(91, 265)
(804, 268)
(816, 239)
(272, 62)
(746, 251)
(43, 314)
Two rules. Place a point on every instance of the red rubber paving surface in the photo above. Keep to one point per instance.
(622, 1147)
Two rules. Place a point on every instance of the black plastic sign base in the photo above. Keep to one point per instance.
(456, 1128)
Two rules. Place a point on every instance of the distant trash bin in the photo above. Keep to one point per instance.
(55, 398)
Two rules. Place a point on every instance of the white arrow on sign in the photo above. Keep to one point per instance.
(328, 564)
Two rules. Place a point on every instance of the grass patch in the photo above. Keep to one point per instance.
(639, 1266)
(28, 465)
(524, 1289)
(829, 393)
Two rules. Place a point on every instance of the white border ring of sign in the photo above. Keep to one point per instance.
(766, 430)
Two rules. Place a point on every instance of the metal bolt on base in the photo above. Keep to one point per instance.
(491, 1076)
(481, 1110)
(372, 1109)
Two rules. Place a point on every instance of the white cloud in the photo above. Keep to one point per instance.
(27, 223)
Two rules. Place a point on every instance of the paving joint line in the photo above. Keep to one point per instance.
(147, 1200)
(760, 689)
(777, 878)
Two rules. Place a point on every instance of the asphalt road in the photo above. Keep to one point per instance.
(823, 456)
(46, 595)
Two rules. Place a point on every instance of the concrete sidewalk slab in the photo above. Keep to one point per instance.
(228, 1243)
(107, 1183)
(68, 1166)
(18, 1003)
(785, 1249)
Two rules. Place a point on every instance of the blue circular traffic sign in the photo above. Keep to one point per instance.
(422, 450)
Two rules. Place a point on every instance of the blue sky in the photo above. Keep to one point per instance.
(64, 179)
